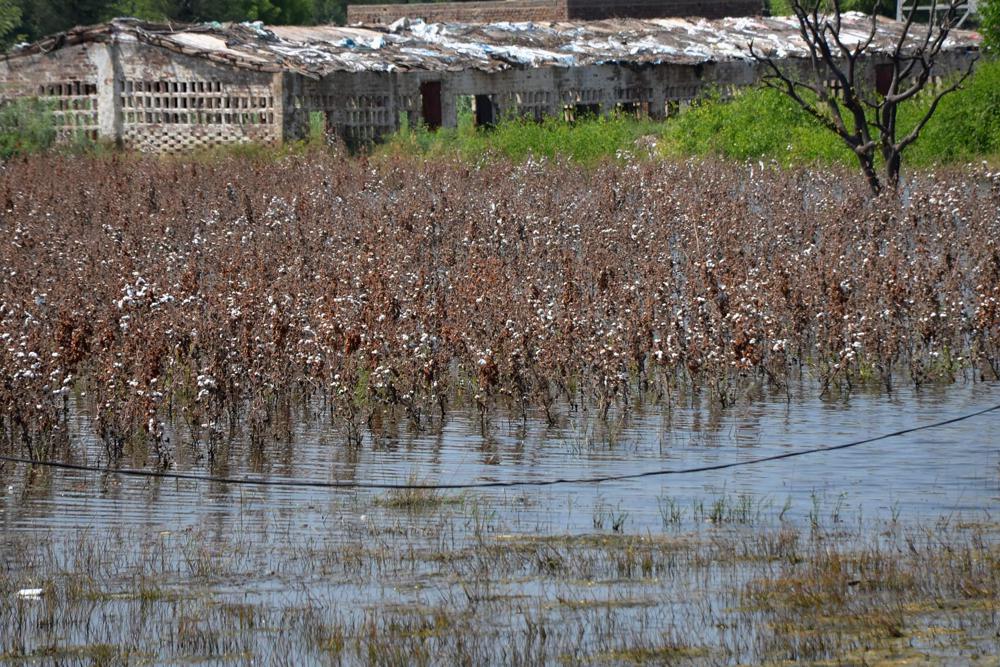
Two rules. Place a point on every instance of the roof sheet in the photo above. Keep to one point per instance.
(414, 44)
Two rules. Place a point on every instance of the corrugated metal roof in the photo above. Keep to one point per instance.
(416, 45)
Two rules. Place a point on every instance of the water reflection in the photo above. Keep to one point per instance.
(924, 474)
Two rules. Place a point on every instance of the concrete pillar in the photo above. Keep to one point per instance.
(105, 58)
(449, 112)
(658, 103)
(278, 100)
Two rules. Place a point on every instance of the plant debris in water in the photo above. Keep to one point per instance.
(426, 593)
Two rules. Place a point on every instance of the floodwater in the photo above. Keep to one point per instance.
(951, 471)
(955, 468)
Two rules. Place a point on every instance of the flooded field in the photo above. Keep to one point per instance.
(369, 325)
(884, 551)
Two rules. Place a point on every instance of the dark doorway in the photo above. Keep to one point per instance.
(486, 113)
(587, 110)
(430, 94)
(883, 77)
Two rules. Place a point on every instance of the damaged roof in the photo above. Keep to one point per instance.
(416, 45)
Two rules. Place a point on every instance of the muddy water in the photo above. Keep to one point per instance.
(169, 568)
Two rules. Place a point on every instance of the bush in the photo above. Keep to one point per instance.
(989, 24)
(764, 123)
(26, 126)
(759, 123)
(587, 141)
(966, 124)
(755, 123)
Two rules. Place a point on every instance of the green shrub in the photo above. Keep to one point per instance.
(989, 23)
(966, 124)
(764, 123)
(26, 126)
(755, 123)
(587, 141)
(883, 7)
(779, 7)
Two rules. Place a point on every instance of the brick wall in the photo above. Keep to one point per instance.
(461, 12)
(593, 10)
(551, 10)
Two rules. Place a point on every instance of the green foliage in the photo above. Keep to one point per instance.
(883, 7)
(779, 7)
(10, 20)
(586, 141)
(26, 126)
(34, 19)
(966, 124)
(764, 123)
(755, 124)
(989, 23)
(147, 10)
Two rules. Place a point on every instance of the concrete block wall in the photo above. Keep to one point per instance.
(360, 107)
(562, 92)
(148, 98)
(66, 81)
(172, 103)
(461, 12)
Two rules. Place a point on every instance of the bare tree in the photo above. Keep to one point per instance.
(864, 118)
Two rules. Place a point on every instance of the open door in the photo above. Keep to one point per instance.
(486, 114)
(430, 94)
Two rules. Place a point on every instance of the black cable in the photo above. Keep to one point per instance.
(316, 484)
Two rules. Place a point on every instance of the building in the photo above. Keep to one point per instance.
(174, 88)
(549, 10)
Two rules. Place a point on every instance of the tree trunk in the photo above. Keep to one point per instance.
(868, 166)
(893, 160)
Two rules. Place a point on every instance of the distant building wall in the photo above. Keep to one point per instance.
(362, 107)
(550, 10)
(595, 10)
(148, 98)
(153, 99)
(461, 12)
(171, 102)
(65, 80)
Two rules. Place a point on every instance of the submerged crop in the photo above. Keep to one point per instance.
(211, 298)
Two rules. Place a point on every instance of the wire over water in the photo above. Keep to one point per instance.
(318, 484)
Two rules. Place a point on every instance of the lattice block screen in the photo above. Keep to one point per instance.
(74, 107)
(527, 103)
(367, 117)
(178, 116)
(577, 103)
(185, 138)
(583, 96)
(359, 118)
(683, 91)
(634, 100)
